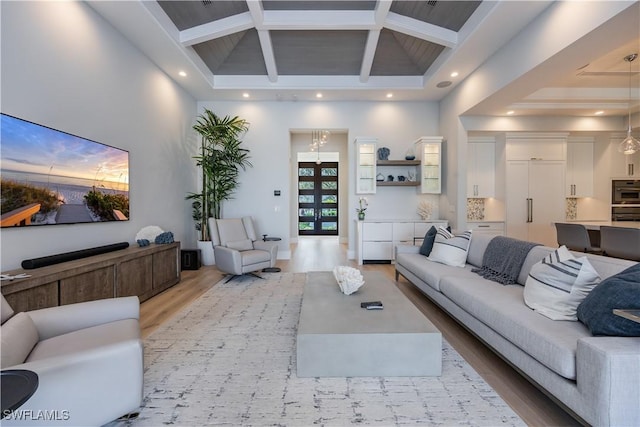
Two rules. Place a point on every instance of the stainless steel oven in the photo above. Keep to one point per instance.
(625, 200)
(625, 191)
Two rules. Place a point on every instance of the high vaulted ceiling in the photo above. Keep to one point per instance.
(359, 50)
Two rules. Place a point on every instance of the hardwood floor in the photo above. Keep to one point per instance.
(324, 253)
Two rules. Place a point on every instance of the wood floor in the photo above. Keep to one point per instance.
(322, 254)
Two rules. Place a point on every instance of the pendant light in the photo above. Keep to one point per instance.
(629, 145)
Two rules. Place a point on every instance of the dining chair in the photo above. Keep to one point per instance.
(575, 237)
(620, 242)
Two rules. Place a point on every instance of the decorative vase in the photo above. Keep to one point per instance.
(383, 153)
(410, 155)
(361, 216)
(206, 252)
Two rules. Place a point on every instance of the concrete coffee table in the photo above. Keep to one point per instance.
(338, 338)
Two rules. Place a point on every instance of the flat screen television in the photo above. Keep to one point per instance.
(52, 177)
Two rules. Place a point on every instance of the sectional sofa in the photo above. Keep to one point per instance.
(597, 378)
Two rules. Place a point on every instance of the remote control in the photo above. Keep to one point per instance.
(372, 305)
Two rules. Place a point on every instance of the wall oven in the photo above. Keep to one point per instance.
(625, 200)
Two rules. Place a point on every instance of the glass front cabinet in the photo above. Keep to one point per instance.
(366, 165)
(430, 149)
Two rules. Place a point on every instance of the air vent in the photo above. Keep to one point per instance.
(432, 2)
(207, 2)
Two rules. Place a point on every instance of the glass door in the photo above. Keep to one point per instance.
(318, 199)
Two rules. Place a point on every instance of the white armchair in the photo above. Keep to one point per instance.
(88, 358)
(237, 249)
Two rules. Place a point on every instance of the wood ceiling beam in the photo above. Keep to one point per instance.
(380, 15)
(421, 30)
(318, 20)
(369, 54)
(216, 29)
(257, 14)
(267, 53)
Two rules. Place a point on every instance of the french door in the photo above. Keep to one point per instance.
(318, 199)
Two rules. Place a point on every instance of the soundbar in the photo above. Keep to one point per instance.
(29, 264)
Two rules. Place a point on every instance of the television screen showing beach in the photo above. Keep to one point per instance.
(52, 177)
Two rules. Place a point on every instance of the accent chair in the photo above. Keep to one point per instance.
(237, 249)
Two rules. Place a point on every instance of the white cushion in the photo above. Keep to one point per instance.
(449, 249)
(558, 284)
(19, 336)
(5, 310)
(240, 245)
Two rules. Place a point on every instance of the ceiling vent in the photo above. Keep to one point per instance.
(207, 2)
(432, 2)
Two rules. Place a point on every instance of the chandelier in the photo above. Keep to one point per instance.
(318, 139)
(629, 145)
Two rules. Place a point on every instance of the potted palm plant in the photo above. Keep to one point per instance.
(221, 157)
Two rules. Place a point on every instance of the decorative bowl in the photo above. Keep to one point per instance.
(349, 279)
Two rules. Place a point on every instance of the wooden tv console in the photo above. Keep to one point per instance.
(142, 271)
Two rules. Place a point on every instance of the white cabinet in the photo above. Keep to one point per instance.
(481, 169)
(579, 180)
(524, 146)
(430, 149)
(376, 239)
(487, 227)
(366, 165)
(535, 199)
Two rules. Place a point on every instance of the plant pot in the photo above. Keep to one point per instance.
(361, 216)
(206, 252)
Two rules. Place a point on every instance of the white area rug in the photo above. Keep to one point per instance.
(229, 359)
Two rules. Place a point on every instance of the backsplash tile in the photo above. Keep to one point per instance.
(475, 209)
(571, 209)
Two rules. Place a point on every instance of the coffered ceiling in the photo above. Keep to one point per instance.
(362, 50)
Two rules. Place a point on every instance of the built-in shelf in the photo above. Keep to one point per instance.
(398, 162)
(397, 183)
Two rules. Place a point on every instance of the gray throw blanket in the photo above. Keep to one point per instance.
(503, 259)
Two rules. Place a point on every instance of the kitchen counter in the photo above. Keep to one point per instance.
(595, 224)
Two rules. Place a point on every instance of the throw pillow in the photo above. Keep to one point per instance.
(240, 245)
(621, 290)
(19, 336)
(558, 284)
(427, 243)
(449, 249)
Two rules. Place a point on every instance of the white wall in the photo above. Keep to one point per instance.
(396, 124)
(64, 67)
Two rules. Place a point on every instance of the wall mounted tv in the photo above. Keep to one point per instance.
(52, 177)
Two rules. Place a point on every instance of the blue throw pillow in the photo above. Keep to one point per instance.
(618, 291)
(427, 243)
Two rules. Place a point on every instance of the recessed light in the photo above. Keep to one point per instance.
(510, 113)
(389, 95)
(182, 74)
(599, 113)
(245, 95)
(318, 95)
(454, 74)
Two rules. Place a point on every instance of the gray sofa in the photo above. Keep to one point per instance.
(597, 378)
(88, 358)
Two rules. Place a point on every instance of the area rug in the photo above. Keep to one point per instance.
(229, 359)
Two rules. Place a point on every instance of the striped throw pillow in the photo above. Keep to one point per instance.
(558, 284)
(449, 249)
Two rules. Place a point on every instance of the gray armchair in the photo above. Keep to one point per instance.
(237, 249)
